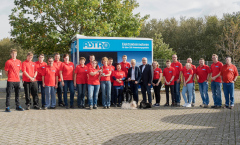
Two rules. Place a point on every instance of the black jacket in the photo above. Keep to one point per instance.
(138, 74)
(147, 74)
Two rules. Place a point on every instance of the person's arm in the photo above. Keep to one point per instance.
(61, 77)
(56, 86)
(6, 72)
(151, 75)
(43, 82)
(139, 75)
(189, 78)
(94, 73)
(74, 78)
(160, 78)
(27, 75)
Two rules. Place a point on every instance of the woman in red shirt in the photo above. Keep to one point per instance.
(93, 85)
(106, 83)
(118, 77)
(157, 77)
(187, 85)
(80, 81)
(66, 74)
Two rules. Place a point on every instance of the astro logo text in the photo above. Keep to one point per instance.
(95, 45)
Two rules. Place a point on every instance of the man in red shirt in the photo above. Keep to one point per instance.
(169, 74)
(203, 74)
(110, 62)
(229, 74)
(50, 82)
(57, 64)
(29, 81)
(124, 67)
(177, 79)
(91, 59)
(40, 65)
(193, 67)
(12, 69)
(216, 83)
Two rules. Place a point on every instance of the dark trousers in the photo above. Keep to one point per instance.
(147, 88)
(16, 86)
(42, 92)
(157, 91)
(118, 95)
(31, 88)
(112, 93)
(134, 89)
(59, 92)
(172, 93)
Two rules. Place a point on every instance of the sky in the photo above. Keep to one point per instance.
(158, 9)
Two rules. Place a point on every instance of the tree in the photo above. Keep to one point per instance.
(161, 50)
(5, 46)
(47, 26)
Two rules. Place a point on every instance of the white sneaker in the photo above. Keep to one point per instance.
(184, 105)
(189, 105)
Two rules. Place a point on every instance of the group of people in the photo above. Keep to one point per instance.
(56, 76)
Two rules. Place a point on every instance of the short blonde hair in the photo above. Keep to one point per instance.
(30, 54)
(156, 63)
(215, 55)
(13, 51)
(133, 60)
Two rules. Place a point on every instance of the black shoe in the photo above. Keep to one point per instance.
(213, 106)
(108, 107)
(105, 107)
(37, 107)
(52, 107)
(66, 107)
(19, 108)
(193, 105)
(95, 107)
(7, 109)
(72, 107)
(172, 105)
(79, 107)
(217, 107)
(28, 107)
(61, 104)
(226, 107)
(166, 105)
(83, 107)
(119, 105)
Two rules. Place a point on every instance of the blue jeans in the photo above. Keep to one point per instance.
(228, 89)
(216, 93)
(68, 84)
(177, 92)
(59, 92)
(49, 90)
(118, 90)
(112, 93)
(106, 93)
(81, 88)
(193, 94)
(203, 88)
(187, 89)
(93, 94)
(42, 92)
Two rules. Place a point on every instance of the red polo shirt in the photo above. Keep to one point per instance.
(13, 68)
(186, 74)
(125, 67)
(193, 67)
(81, 72)
(67, 70)
(178, 68)
(228, 73)
(39, 68)
(57, 65)
(49, 74)
(168, 73)
(89, 65)
(93, 80)
(30, 68)
(202, 73)
(215, 70)
(156, 73)
(106, 70)
(112, 69)
(118, 75)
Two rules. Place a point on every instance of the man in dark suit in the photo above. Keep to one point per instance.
(146, 79)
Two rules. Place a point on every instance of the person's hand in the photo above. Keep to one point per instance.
(157, 84)
(32, 79)
(75, 84)
(149, 84)
(184, 84)
(129, 79)
(205, 80)
(153, 84)
(136, 82)
(167, 83)
(100, 71)
(43, 84)
(62, 83)
(56, 86)
(213, 78)
(178, 80)
(232, 82)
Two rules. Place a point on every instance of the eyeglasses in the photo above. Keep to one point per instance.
(50, 61)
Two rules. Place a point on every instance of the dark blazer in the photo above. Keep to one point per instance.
(138, 74)
(147, 74)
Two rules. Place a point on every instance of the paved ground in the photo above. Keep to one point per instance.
(163, 125)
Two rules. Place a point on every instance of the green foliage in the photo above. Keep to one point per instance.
(5, 46)
(47, 26)
(161, 49)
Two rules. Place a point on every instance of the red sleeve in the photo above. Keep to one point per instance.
(164, 72)
(181, 67)
(76, 70)
(192, 72)
(6, 66)
(236, 71)
(194, 69)
(160, 70)
(43, 71)
(23, 67)
(61, 67)
(208, 70)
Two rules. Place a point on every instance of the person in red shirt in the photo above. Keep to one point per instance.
(12, 69)
(177, 80)
(193, 67)
(105, 82)
(80, 81)
(169, 74)
(40, 65)
(93, 85)
(29, 81)
(187, 85)
(91, 59)
(66, 72)
(229, 75)
(125, 66)
(57, 64)
(216, 83)
(50, 82)
(157, 84)
(202, 75)
(118, 77)
(110, 62)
